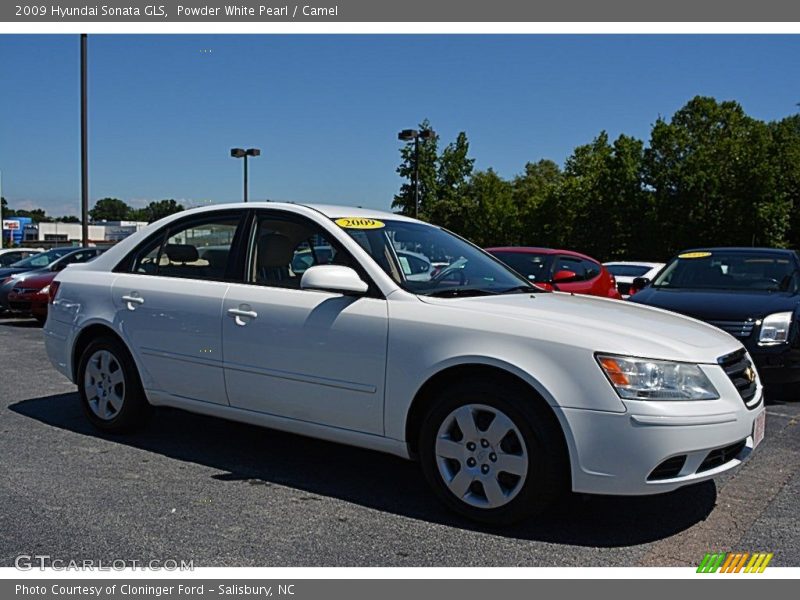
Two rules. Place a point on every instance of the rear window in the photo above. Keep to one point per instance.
(627, 270)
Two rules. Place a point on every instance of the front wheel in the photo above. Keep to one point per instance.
(493, 453)
(109, 386)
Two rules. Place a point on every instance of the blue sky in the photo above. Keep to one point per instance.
(325, 110)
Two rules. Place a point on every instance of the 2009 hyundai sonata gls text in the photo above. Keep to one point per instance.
(380, 331)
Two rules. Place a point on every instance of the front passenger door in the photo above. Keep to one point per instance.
(307, 355)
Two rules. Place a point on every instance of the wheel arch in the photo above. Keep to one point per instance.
(85, 337)
(426, 395)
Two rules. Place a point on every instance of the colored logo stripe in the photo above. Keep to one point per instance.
(734, 562)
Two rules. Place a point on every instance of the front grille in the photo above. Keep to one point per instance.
(720, 456)
(739, 329)
(24, 290)
(742, 373)
(19, 305)
(668, 469)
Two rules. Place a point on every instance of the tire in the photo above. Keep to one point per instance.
(109, 386)
(532, 449)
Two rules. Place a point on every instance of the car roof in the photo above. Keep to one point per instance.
(633, 263)
(332, 211)
(537, 250)
(741, 249)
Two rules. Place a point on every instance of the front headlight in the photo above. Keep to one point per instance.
(644, 379)
(775, 329)
(45, 290)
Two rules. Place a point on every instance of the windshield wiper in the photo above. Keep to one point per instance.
(521, 289)
(460, 293)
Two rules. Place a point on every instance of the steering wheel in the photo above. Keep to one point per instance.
(439, 277)
(759, 283)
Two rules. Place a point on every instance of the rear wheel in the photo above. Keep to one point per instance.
(109, 386)
(492, 452)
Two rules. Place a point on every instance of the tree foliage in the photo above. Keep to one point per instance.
(708, 176)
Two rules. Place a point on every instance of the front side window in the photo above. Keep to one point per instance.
(430, 261)
(199, 249)
(536, 266)
(284, 247)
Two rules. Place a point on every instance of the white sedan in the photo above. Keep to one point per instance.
(506, 394)
(626, 271)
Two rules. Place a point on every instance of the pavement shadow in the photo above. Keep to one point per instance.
(249, 455)
(27, 323)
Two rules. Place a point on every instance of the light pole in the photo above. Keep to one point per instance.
(84, 148)
(407, 135)
(242, 153)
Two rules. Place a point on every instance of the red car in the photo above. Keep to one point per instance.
(30, 295)
(561, 270)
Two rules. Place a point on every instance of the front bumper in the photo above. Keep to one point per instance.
(619, 453)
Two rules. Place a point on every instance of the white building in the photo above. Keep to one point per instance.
(107, 231)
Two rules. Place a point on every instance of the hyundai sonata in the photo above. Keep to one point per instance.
(506, 394)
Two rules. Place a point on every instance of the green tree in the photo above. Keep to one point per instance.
(157, 210)
(532, 190)
(454, 167)
(428, 171)
(110, 209)
(489, 212)
(715, 178)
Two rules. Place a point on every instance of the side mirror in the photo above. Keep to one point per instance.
(333, 278)
(639, 283)
(564, 276)
(58, 267)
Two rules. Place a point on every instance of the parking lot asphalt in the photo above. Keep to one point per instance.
(218, 493)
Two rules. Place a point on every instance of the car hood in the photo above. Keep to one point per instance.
(718, 305)
(596, 324)
(35, 279)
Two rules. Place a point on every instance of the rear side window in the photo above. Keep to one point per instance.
(199, 249)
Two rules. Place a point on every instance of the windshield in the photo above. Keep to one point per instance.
(627, 270)
(430, 261)
(729, 271)
(43, 259)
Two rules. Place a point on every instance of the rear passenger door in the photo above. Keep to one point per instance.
(169, 305)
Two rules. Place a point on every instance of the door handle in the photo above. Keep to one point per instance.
(240, 315)
(132, 300)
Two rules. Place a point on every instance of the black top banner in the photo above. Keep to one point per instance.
(404, 11)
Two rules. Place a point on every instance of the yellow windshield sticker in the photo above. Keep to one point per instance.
(359, 223)
(695, 255)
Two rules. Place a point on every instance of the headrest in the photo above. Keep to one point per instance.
(274, 250)
(216, 257)
(181, 253)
